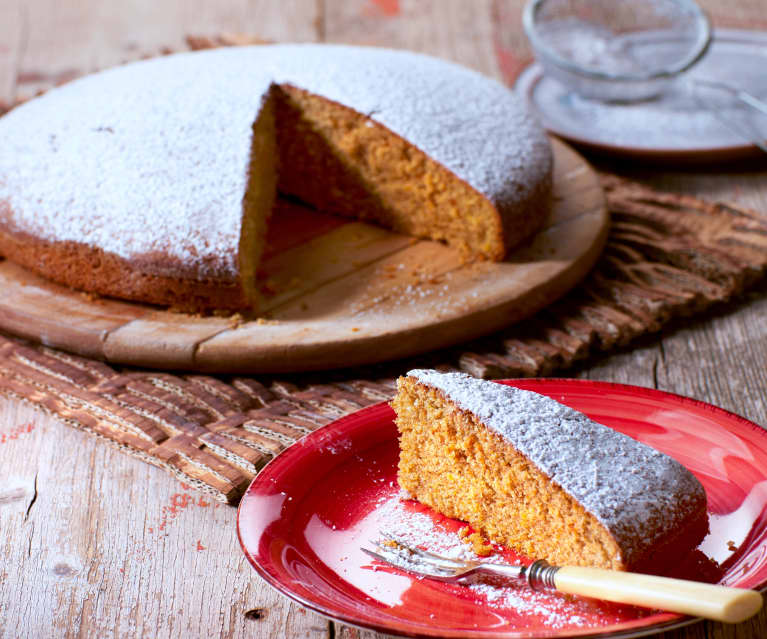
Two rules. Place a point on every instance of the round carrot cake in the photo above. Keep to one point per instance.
(155, 181)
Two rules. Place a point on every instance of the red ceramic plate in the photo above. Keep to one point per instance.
(305, 516)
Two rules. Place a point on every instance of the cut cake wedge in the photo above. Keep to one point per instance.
(542, 478)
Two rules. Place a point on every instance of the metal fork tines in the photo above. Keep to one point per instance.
(722, 603)
(428, 564)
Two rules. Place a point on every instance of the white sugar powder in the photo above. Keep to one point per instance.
(409, 523)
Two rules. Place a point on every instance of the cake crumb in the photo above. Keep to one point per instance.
(480, 545)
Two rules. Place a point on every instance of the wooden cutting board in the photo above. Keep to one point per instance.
(338, 293)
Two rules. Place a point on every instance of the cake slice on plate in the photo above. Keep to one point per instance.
(540, 477)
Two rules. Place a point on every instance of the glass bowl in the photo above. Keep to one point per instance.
(616, 50)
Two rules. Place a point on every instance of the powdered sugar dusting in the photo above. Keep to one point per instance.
(636, 492)
(152, 157)
(416, 528)
(413, 525)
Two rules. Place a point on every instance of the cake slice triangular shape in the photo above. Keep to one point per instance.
(541, 477)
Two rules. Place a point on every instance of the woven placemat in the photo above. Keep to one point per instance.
(667, 256)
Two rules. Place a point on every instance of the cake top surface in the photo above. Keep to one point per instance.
(628, 486)
(164, 144)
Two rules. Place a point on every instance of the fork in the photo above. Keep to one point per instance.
(721, 603)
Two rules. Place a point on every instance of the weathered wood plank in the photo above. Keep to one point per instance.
(14, 29)
(99, 544)
(452, 29)
(743, 184)
(58, 41)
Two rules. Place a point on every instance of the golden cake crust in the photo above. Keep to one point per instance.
(90, 269)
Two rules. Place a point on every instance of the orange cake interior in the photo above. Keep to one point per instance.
(369, 173)
(452, 461)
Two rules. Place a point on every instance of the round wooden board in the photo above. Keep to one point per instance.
(349, 294)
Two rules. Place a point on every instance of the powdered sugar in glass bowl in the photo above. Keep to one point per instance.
(616, 50)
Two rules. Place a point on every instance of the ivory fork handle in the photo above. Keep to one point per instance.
(720, 603)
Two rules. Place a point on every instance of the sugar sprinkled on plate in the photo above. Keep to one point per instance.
(416, 525)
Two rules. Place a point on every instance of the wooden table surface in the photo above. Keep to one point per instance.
(99, 544)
